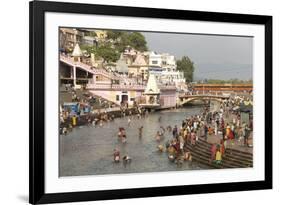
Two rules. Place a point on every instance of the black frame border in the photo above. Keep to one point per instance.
(37, 11)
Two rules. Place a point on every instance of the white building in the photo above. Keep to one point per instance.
(157, 72)
(155, 59)
(164, 68)
(163, 60)
(168, 62)
(173, 77)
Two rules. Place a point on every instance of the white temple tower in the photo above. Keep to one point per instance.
(77, 53)
(152, 93)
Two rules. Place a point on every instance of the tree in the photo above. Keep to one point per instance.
(137, 41)
(105, 51)
(123, 41)
(89, 48)
(108, 53)
(92, 33)
(111, 34)
(187, 67)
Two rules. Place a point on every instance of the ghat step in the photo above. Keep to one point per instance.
(201, 152)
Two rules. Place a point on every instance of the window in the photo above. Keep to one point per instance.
(154, 62)
(117, 97)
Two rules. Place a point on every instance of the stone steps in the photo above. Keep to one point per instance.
(229, 154)
(204, 157)
(229, 151)
(232, 158)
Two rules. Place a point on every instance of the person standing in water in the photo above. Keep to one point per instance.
(175, 131)
(169, 128)
(162, 132)
(116, 155)
(129, 122)
(158, 137)
(140, 131)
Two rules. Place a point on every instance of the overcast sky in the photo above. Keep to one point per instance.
(216, 57)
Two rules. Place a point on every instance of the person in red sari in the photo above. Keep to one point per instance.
(231, 136)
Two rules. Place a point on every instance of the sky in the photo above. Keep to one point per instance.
(214, 56)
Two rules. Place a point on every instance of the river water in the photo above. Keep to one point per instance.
(88, 150)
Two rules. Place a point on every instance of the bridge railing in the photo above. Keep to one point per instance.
(203, 95)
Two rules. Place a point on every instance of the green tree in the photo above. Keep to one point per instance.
(111, 34)
(88, 48)
(123, 41)
(92, 33)
(108, 53)
(137, 41)
(187, 67)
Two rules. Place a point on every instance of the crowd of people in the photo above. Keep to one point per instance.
(189, 132)
(224, 122)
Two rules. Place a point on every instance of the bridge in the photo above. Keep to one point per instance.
(203, 97)
(226, 87)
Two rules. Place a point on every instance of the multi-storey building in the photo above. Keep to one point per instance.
(163, 67)
(168, 62)
(155, 59)
(69, 38)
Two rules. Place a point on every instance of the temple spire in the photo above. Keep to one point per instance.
(152, 87)
(77, 53)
